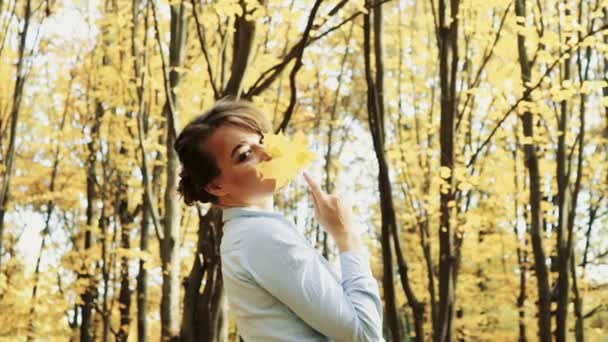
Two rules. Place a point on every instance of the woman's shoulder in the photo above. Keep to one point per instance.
(247, 218)
(244, 229)
(259, 227)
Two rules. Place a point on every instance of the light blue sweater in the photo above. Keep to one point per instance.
(280, 288)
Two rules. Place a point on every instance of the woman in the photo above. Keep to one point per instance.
(278, 286)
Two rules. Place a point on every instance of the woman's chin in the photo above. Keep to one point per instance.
(270, 184)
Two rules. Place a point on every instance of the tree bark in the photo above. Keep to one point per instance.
(563, 198)
(447, 37)
(578, 300)
(142, 277)
(605, 89)
(140, 62)
(543, 289)
(124, 297)
(15, 109)
(389, 234)
(522, 257)
(205, 317)
(579, 327)
(242, 47)
(169, 244)
(106, 259)
(90, 294)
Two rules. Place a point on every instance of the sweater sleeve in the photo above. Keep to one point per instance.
(284, 265)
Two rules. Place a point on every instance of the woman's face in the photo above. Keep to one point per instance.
(237, 150)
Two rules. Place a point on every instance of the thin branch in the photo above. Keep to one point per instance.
(201, 39)
(151, 205)
(297, 66)
(167, 86)
(601, 307)
(5, 28)
(486, 59)
(529, 90)
(334, 10)
(435, 20)
(267, 77)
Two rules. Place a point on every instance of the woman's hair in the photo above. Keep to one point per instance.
(199, 166)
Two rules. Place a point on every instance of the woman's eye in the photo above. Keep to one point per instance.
(262, 139)
(243, 156)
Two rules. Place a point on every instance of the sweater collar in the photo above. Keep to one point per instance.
(236, 212)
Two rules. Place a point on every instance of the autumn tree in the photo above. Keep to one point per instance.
(470, 137)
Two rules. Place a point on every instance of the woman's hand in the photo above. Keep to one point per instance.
(334, 216)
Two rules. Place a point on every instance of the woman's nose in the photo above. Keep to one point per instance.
(264, 156)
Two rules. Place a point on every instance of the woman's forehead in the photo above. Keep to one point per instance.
(226, 137)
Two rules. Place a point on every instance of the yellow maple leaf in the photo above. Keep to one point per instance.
(288, 157)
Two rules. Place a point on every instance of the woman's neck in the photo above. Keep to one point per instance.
(264, 203)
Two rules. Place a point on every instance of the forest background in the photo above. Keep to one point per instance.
(471, 136)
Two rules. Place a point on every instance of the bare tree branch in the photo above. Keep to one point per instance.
(529, 90)
(297, 66)
(167, 86)
(486, 59)
(269, 76)
(201, 38)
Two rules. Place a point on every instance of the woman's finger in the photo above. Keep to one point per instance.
(316, 191)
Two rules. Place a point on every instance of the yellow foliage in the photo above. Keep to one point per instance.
(90, 76)
(288, 157)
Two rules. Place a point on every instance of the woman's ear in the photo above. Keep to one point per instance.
(215, 189)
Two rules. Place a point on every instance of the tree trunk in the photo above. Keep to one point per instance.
(389, 233)
(205, 316)
(522, 258)
(578, 300)
(90, 293)
(563, 255)
(242, 47)
(448, 62)
(543, 289)
(579, 327)
(124, 297)
(140, 64)
(142, 277)
(106, 260)
(170, 237)
(605, 89)
(16, 105)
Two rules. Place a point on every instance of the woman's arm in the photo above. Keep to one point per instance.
(281, 262)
